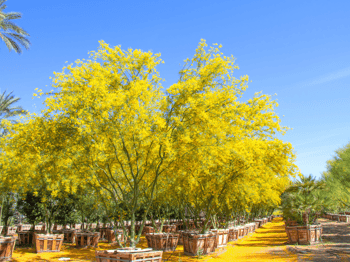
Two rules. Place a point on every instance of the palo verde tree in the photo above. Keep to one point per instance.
(111, 124)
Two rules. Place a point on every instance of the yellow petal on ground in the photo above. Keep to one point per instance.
(266, 244)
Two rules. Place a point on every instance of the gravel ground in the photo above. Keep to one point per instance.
(335, 244)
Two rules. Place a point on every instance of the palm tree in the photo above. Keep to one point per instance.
(13, 35)
(303, 199)
(7, 110)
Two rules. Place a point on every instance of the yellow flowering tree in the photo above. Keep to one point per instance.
(111, 125)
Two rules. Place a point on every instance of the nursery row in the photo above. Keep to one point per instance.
(173, 234)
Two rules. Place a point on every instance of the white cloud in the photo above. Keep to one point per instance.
(330, 77)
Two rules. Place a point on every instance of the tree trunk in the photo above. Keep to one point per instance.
(132, 231)
(306, 218)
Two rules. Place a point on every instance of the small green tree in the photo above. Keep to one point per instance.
(29, 205)
(337, 179)
(302, 201)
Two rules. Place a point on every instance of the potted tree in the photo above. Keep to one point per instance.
(301, 206)
(29, 205)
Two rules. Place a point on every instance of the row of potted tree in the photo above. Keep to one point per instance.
(110, 128)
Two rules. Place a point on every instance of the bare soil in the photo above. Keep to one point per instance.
(335, 244)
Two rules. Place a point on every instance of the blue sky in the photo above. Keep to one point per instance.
(298, 50)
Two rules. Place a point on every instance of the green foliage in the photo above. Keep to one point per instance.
(7, 110)
(66, 210)
(8, 208)
(29, 205)
(13, 35)
(302, 201)
(337, 179)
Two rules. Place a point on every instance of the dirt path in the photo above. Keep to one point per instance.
(335, 244)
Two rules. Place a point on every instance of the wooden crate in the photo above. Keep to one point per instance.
(26, 238)
(344, 218)
(141, 255)
(193, 243)
(233, 234)
(221, 237)
(292, 233)
(69, 235)
(57, 227)
(169, 228)
(147, 230)
(39, 227)
(104, 232)
(7, 245)
(76, 226)
(246, 230)
(162, 241)
(111, 235)
(48, 243)
(260, 221)
(87, 239)
(25, 227)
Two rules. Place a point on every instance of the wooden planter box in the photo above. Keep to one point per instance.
(304, 235)
(180, 241)
(169, 228)
(39, 227)
(240, 231)
(233, 234)
(179, 226)
(111, 235)
(221, 237)
(69, 235)
(251, 227)
(57, 227)
(145, 255)
(48, 243)
(246, 230)
(259, 221)
(76, 226)
(344, 218)
(309, 235)
(147, 230)
(335, 217)
(11, 231)
(7, 245)
(193, 243)
(22, 228)
(26, 238)
(104, 232)
(292, 233)
(265, 220)
(86, 239)
(162, 241)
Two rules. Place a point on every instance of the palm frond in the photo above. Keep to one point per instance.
(2, 5)
(11, 45)
(13, 15)
(8, 25)
(21, 40)
(13, 35)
